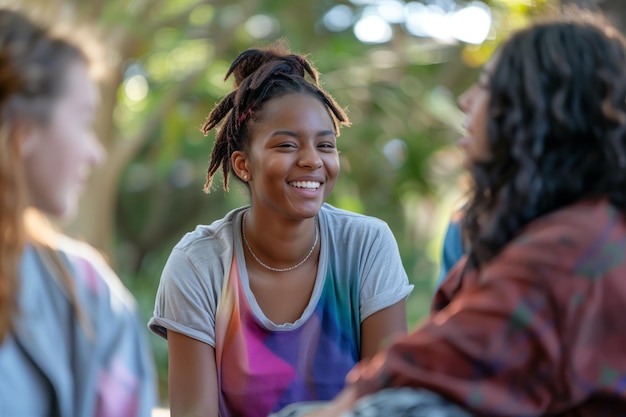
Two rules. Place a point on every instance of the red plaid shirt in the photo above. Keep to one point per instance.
(540, 330)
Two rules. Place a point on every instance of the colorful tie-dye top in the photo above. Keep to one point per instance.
(261, 370)
(539, 331)
(204, 293)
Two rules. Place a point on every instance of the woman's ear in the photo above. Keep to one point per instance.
(239, 162)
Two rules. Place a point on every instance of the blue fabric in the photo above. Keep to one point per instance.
(452, 250)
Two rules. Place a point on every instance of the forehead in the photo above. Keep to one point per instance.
(79, 88)
(295, 108)
(75, 94)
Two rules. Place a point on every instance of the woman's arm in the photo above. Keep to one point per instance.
(192, 377)
(378, 329)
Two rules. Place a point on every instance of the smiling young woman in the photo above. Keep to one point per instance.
(275, 302)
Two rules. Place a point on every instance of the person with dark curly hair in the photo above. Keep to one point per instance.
(531, 321)
(278, 300)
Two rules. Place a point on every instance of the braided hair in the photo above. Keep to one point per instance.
(260, 75)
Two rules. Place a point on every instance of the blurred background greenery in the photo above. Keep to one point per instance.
(397, 65)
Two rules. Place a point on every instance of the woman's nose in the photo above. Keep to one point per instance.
(310, 157)
(464, 100)
(97, 153)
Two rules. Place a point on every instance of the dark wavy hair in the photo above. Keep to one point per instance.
(556, 129)
(260, 75)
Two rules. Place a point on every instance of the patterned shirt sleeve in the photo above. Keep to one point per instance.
(535, 332)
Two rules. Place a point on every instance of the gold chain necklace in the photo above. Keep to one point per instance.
(264, 265)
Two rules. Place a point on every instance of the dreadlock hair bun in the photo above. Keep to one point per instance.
(274, 59)
(261, 74)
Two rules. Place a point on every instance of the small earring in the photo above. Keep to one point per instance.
(245, 177)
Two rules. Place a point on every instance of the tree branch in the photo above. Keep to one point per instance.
(126, 149)
(129, 147)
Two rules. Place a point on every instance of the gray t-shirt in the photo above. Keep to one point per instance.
(361, 247)
(53, 364)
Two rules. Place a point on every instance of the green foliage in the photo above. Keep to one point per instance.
(399, 94)
(166, 63)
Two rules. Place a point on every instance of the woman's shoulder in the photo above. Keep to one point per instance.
(355, 230)
(218, 234)
(203, 253)
(82, 254)
(91, 270)
(580, 222)
(563, 237)
(343, 218)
